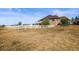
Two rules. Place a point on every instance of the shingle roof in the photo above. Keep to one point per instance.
(50, 16)
(54, 16)
(64, 17)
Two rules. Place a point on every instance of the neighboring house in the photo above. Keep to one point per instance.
(53, 20)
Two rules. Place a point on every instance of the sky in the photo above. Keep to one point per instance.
(11, 16)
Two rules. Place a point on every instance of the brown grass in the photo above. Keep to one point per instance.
(53, 39)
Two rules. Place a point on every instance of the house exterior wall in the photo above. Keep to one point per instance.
(53, 20)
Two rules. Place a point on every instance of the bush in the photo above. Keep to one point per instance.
(19, 23)
(64, 22)
(76, 23)
(45, 22)
(3, 26)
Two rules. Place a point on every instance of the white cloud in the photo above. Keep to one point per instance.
(68, 13)
(11, 17)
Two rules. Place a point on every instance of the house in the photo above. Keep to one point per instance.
(52, 19)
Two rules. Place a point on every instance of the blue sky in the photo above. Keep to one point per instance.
(11, 16)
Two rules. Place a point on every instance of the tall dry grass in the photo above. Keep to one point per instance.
(52, 39)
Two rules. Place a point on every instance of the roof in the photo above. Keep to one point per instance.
(54, 16)
(50, 16)
(64, 17)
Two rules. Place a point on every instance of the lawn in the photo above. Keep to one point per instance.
(60, 38)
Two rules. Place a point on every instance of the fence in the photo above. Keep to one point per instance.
(30, 26)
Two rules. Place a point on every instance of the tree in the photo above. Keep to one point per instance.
(64, 22)
(45, 22)
(19, 23)
(76, 17)
(76, 22)
(72, 20)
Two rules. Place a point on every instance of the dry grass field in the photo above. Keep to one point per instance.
(53, 39)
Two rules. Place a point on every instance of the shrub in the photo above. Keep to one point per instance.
(45, 22)
(3, 26)
(64, 22)
(76, 23)
(19, 23)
